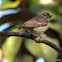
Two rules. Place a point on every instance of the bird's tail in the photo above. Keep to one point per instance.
(19, 27)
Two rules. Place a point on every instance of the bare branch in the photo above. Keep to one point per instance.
(36, 39)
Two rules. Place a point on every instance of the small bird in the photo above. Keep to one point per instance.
(38, 24)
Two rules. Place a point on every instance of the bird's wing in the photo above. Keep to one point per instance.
(32, 23)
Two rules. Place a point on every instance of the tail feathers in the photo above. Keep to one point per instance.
(19, 27)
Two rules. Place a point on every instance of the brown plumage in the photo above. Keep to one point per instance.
(37, 24)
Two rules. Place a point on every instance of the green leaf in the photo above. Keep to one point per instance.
(9, 4)
(42, 50)
(57, 26)
(12, 45)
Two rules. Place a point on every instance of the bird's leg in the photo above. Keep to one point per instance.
(30, 33)
(39, 35)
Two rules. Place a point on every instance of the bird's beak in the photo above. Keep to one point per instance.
(50, 16)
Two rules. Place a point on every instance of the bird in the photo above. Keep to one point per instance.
(38, 24)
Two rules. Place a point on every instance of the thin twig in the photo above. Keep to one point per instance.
(36, 39)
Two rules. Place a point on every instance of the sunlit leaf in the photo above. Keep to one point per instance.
(57, 26)
(42, 50)
(12, 45)
(9, 4)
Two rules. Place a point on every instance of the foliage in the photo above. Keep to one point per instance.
(26, 49)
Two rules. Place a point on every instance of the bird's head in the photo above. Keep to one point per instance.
(47, 15)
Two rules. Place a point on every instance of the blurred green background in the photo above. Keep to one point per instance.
(17, 49)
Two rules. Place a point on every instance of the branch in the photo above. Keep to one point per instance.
(36, 39)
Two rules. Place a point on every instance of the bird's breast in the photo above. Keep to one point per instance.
(40, 29)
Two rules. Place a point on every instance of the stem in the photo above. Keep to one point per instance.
(36, 39)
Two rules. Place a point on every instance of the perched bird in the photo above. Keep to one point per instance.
(38, 24)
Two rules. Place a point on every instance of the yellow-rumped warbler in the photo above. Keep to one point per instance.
(38, 24)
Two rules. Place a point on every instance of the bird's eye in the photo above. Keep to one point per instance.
(46, 14)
